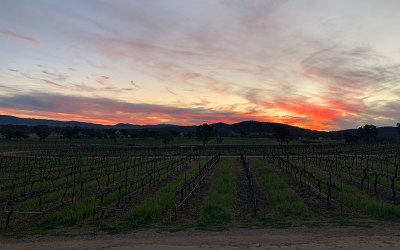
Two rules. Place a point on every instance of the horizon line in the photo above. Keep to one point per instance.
(115, 124)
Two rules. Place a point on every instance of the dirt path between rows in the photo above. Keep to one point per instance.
(293, 238)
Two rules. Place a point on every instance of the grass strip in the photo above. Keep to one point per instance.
(217, 209)
(81, 210)
(358, 201)
(155, 206)
(287, 201)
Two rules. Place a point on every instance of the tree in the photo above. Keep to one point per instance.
(368, 132)
(43, 131)
(167, 137)
(14, 131)
(282, 134)
(398, 128)
(78, 132)
(188, 134)
(112, 133)
(68, 132)
(219, 140)
(125, 133)
(350, 138)
(57, 130)
(204, 133)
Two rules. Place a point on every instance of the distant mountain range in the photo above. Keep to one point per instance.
(7, 119)
(246, 128)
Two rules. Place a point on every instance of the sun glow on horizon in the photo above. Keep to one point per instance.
(184, 62)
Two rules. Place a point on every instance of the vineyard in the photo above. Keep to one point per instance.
(47, 186)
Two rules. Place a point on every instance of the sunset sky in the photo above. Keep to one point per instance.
(316, 64)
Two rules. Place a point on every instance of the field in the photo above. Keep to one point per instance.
(63, 187)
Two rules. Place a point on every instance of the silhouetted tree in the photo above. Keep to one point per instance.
(57, 130)
(188, 134)
(350, 138)
(125, 132)
(282, 134)
(43, 131)
(368, 132)
(68, 132)
(146, 133)
(204, 133)
(167, 137)
(134, 133)
(398, 128)
(78, 132)
(89, 132)
(173, 133)
(14, 131)
(112, 133)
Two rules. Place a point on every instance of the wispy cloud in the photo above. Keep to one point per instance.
(19, 36)
(103, 79)
(315, 64)
(58, 77)
(110, 111)
(170, 91)
(52, 83)
(135, 84)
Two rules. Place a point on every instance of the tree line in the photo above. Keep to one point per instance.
(364, 134)
(77, 132)
(203, 133)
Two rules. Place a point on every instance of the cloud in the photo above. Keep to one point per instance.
(57, 77)
(19, 36)
(356, 68)
(109, 111)
(103, 79)
(170, 91)
(134, 84)
(84, 87)
(52, 83)
(302, 63)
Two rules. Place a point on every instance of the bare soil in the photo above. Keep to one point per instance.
(317, 205)
(138, 197)
(192, 210)
(382, 192)
(380, 237)
(244, 205)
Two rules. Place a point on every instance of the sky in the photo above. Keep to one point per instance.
(316, 64)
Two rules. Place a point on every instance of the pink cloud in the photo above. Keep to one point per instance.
(103, 79)
(134, 84)
(108, 111)
(52, 83)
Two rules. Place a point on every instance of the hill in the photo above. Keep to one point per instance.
(245, 128)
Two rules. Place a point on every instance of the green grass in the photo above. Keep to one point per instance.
(78, 211)
(70, 216)
(154, 207)
(288, 203)
(180, 140)
(361, 202)
(217, 209)
(370, 205)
